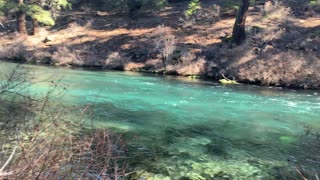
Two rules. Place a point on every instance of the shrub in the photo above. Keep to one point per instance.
(202, 16)
(64, 56)
(41, 139)
(115, 60)
(15, 51)
(165, 44)
(277, 11)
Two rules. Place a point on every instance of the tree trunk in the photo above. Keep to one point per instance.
(35, 27)
(21, 19)
(239, 33)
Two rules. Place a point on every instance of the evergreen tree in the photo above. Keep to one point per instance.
(40, 11)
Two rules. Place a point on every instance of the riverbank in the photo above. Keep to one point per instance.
(281, 49)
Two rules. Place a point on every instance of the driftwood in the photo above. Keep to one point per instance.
(227, 80)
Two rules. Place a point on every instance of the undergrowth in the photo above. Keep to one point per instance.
(43, 139)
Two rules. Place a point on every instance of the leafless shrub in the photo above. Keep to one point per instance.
(203, 16)
(188, 64)
(106, 154)
(64, 56)
(15, 104)
(16, 50)
(187, 21)
(194, 68)
(312, 11)
(280, 17)
(208, 16)
(48, 152)
(45, 142)
(154, 64)
(165, 44)
(187, 57)
(115, 60)
(132, 66)
(277, 12)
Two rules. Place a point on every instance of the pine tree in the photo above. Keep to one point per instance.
(40, 11)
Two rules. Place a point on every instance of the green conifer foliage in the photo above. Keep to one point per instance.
(42, 11)
(193, 6)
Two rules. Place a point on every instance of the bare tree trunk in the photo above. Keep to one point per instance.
(21, 19)
(239, 33)
(35, 27)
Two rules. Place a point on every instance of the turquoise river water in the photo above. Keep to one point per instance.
(182, 128)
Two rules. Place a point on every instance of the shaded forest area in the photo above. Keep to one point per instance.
(280, 46)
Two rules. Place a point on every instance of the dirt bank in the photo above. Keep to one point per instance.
(281, 49)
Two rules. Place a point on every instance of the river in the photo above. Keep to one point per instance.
(182, 128)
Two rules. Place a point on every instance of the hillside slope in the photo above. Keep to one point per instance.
(281, 49)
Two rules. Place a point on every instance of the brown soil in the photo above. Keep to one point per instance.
(280, 50)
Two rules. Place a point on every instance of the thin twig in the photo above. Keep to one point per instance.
(304, 178)
(2, 25)
(9, 159)
(225, 77)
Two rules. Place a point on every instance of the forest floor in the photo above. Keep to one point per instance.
(281, 49)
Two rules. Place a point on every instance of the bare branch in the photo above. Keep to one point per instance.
(8, 160)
